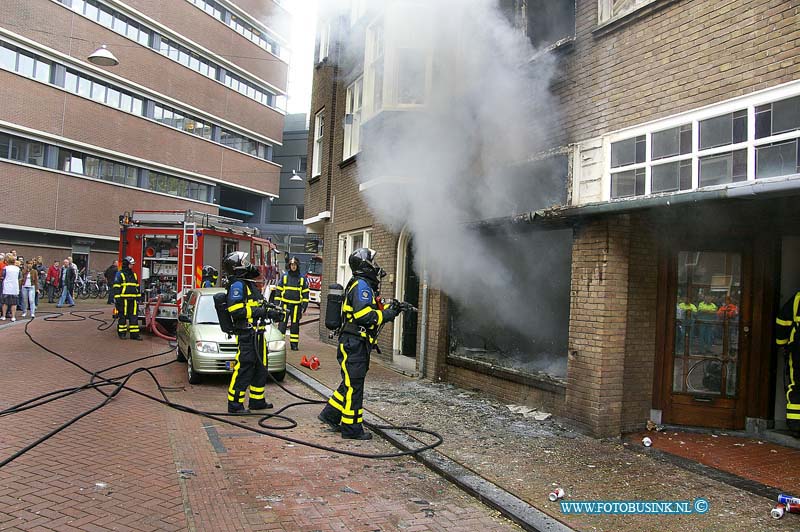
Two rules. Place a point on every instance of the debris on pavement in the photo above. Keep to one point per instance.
(647, 442)
(348, 489)
(556, 494)
(653, 426)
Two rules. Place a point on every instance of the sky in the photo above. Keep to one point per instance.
(301, 67)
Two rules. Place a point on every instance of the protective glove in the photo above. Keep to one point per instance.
(389, 314)
(275, 314)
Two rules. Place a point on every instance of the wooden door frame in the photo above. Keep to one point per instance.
(665, 334)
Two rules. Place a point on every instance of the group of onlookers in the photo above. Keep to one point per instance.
(23, 281)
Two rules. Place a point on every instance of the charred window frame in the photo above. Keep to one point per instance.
(549, 23)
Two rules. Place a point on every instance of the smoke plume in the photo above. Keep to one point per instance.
(464, 155)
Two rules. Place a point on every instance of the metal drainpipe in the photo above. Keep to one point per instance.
(423, 324)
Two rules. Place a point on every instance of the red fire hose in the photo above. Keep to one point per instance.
(152, 324)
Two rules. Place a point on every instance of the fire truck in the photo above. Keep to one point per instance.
(314, 279)
(170, 249)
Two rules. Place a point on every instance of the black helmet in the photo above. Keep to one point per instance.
(209, 270)
(236, 265)
(128, 261)
(293, 260)
(362, 262)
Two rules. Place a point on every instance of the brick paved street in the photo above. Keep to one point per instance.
(136, 465)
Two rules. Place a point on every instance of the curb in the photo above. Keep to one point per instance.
(492, 495)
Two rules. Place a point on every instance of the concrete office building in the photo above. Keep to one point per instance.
(188, 119)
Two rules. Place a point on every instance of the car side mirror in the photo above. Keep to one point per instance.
(183, 318)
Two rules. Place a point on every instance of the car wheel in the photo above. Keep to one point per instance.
(178, 355)
(279, 375)
(194, 377)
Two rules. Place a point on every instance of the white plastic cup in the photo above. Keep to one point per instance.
(556, 494)
(647, 442)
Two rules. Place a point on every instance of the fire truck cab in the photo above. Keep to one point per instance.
(170, 249)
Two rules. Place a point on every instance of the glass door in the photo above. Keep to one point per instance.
(706, 344)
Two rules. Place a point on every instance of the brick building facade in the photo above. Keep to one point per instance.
(681, 119)
(187, 120)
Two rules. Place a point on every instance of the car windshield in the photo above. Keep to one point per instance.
(205, 312)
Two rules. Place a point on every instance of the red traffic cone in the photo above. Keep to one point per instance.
(313, 363)
(305, 362)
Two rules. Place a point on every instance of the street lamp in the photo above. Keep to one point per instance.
(103, 57)
(295, 177)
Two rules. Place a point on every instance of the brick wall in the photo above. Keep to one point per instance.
(61, 202)
(681, 57)
(640, 337)
(597, 327)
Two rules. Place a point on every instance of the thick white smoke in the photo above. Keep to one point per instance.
(456, 159)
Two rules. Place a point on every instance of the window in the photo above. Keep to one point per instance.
(374, 68)
(411, 76)
(671, 142)
(8, 57)
(778, 159)
(349, 242)
(550, 21)
(722, 130)
(302, 164)
(626, 152)
(323, 41)
(316, 156)
(613, 9)
(626, 184)
(24, 63)
(352, 119)
(300, 212)
(778, 117)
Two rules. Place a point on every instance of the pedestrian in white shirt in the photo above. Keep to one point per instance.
(10, 288)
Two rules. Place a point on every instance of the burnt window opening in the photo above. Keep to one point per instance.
(524, 330)
(549, 22)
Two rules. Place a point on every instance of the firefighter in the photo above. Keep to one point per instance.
(786, 338)
(361, 322)
(247, 308)
(126, 299)
(292, 294)
(210, 276)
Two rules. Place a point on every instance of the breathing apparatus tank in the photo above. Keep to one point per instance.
(333, 310)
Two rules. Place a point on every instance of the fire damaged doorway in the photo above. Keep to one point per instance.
(407, 289)
(706, 337)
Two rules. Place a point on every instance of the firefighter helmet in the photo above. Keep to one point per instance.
(236, 265)
(128, 261)
(294, 261)
(362, 262)
(209, 271)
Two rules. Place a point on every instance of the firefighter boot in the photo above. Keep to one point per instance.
(363, 435)
(237, 408)
(259, 404)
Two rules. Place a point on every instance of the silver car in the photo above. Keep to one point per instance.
(206, 349)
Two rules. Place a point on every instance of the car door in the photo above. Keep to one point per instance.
(184, 328)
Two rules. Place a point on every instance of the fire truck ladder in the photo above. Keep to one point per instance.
(188, 256)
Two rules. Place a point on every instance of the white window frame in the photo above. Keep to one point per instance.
(319, 134)
(374, 64)
(605, 10)
(352, 118)
(324, 41)
(345, 248)
(748, 103)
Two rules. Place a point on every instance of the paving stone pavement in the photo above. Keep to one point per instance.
(137, 465)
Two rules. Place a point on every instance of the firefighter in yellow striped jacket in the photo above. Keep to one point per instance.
(292, 294)
(362, 320)
(248, 312)
(786, 337)
(126, 299)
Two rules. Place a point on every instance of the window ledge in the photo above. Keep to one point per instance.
(611, 25)
(314, 179)
(350, 160)
(321, 64)
(541, 381)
